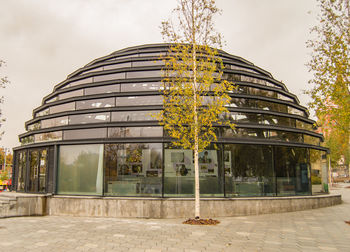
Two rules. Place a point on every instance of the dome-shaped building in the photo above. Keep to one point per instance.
(95, 135)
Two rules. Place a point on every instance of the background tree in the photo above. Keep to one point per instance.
(194, 93)
(3, 82)
(329, 64)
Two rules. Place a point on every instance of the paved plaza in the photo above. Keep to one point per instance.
(312, 230)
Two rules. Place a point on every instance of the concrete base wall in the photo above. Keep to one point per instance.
(182, 208)
(17, 204)
(13, 205)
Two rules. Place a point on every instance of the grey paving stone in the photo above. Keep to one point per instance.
(312, 230)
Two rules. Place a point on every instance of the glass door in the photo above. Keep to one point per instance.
(37, 170)
(33, 170)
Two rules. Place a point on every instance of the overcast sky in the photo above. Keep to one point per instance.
(42, 41)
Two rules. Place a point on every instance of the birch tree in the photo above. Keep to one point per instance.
(195, 94)
(330, 66)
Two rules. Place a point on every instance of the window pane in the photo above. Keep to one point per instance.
(34, 126)
(79, 82)
(117, 66)
(54, 122)
(55, 98)
(311, 140)
(95, 103)
(22, 170)
(85, 134)
(42, 112)
(319, 171)
(143, 74)
(42, 170)
(89, 118)
(244, 133)
(49, 136)
(75, 93)
(286, 136)
(33, 171)
(295, 111)
(135, 132)
(107, 77)
(292, 171)
(134, 115)
(62, 107)
(133, 87)
(139, 100)
(102, 89)
(93, 70)
(133, 169)
(80, 169)
(304, 125)
(27, 140)
(248, 170)
(148, 63)
(179, 173)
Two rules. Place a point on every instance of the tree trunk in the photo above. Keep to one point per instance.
(196, 168)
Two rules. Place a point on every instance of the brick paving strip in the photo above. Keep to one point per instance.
(321, 229)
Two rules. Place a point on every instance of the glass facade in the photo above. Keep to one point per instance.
(96, 134)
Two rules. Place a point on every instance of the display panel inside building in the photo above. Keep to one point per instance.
(96, 134)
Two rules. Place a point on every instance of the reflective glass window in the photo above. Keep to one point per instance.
(21, 170)
(122, 116)
(80, 169)
(95, 103)
(79, 82)
(79, 92)
(311, 140)
(143, 74)
(286, 136)
(292, 171)
(108, 77)
(304, 125)
(62, 107)
(89, 118)
(147, 86)
(33, 171)
(27, 140)
(120, 132)
(139, 100)
(279, 120)
(55, 98)
(49, 136)
(117, 66)
(150, 54)
(245, 117)
(248, 170)
(97, 69)
(148, 63)
(42, 112)
(85, 134)
(102, 89)
(295, 111)
(54, 122)
(244, 133)
(133, 169)
(34, 126)
(179, 173)
(319, 171)
(284, 97)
